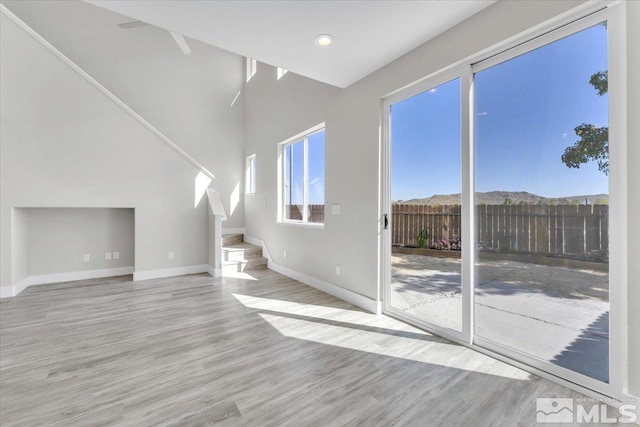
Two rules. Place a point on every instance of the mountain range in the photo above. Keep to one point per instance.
(509, 197)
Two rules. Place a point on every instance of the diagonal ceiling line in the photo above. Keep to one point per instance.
(104, 90)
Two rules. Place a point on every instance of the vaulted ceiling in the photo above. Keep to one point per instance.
(367, 34)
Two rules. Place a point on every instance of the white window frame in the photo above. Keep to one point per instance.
(302, 137)
(577, 19)
(251, 68)
(250, 176)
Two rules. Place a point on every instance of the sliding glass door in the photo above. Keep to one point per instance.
(498, 203)
(542, 199)
(425, 213)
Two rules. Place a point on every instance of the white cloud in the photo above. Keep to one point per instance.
(484, 113)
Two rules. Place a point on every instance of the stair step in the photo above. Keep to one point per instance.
(256, 263)
(238, 256)
(232, 239)
(240, 252)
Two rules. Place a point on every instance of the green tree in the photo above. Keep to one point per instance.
(594, 141)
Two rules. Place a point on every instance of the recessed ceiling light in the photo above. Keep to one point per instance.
(323, 40)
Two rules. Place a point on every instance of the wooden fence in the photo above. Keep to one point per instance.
(557, 229)
(316, 212)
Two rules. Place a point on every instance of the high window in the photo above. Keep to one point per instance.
(280, 72)
(250, 175)
(252, 68)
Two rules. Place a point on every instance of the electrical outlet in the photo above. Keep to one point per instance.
(285, 254)
(170, 255)
(337, 270)
(108, 255)
(86, 258)
(116, 255)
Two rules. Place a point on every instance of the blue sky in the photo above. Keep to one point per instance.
(526, 110)
(294, 154)
(316, 168)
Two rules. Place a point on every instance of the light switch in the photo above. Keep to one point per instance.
(335, 209)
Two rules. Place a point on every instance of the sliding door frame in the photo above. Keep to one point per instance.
(423, 86)
(562, 26)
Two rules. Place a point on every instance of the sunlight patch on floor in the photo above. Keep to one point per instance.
(239, 275)
(312, 310)
(348, 329)
(426, 351)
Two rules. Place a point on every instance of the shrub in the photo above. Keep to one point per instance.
(452, 244)
(421, 238)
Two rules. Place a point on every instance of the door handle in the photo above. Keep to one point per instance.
(386, 221)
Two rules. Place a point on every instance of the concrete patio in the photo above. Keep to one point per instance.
(557, 314)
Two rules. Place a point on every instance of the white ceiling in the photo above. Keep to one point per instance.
(368, 34)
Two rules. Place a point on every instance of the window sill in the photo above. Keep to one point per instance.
(316, 225)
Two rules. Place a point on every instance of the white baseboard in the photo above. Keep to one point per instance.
(7, 291)
(339, 292)
(170, 272)
(12, 291)
(344, 294)
(44, 279)
(214, 272)
(20, 286)
(234, 230)
(79, 275)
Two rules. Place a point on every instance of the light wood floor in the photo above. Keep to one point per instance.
(195, 350)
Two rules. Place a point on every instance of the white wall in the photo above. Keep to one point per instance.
(20, 245)
(276, 110)
(633, 158)
(64, 144)
(186, 97)
(58, 238)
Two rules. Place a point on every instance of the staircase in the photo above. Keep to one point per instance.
(239, 256)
